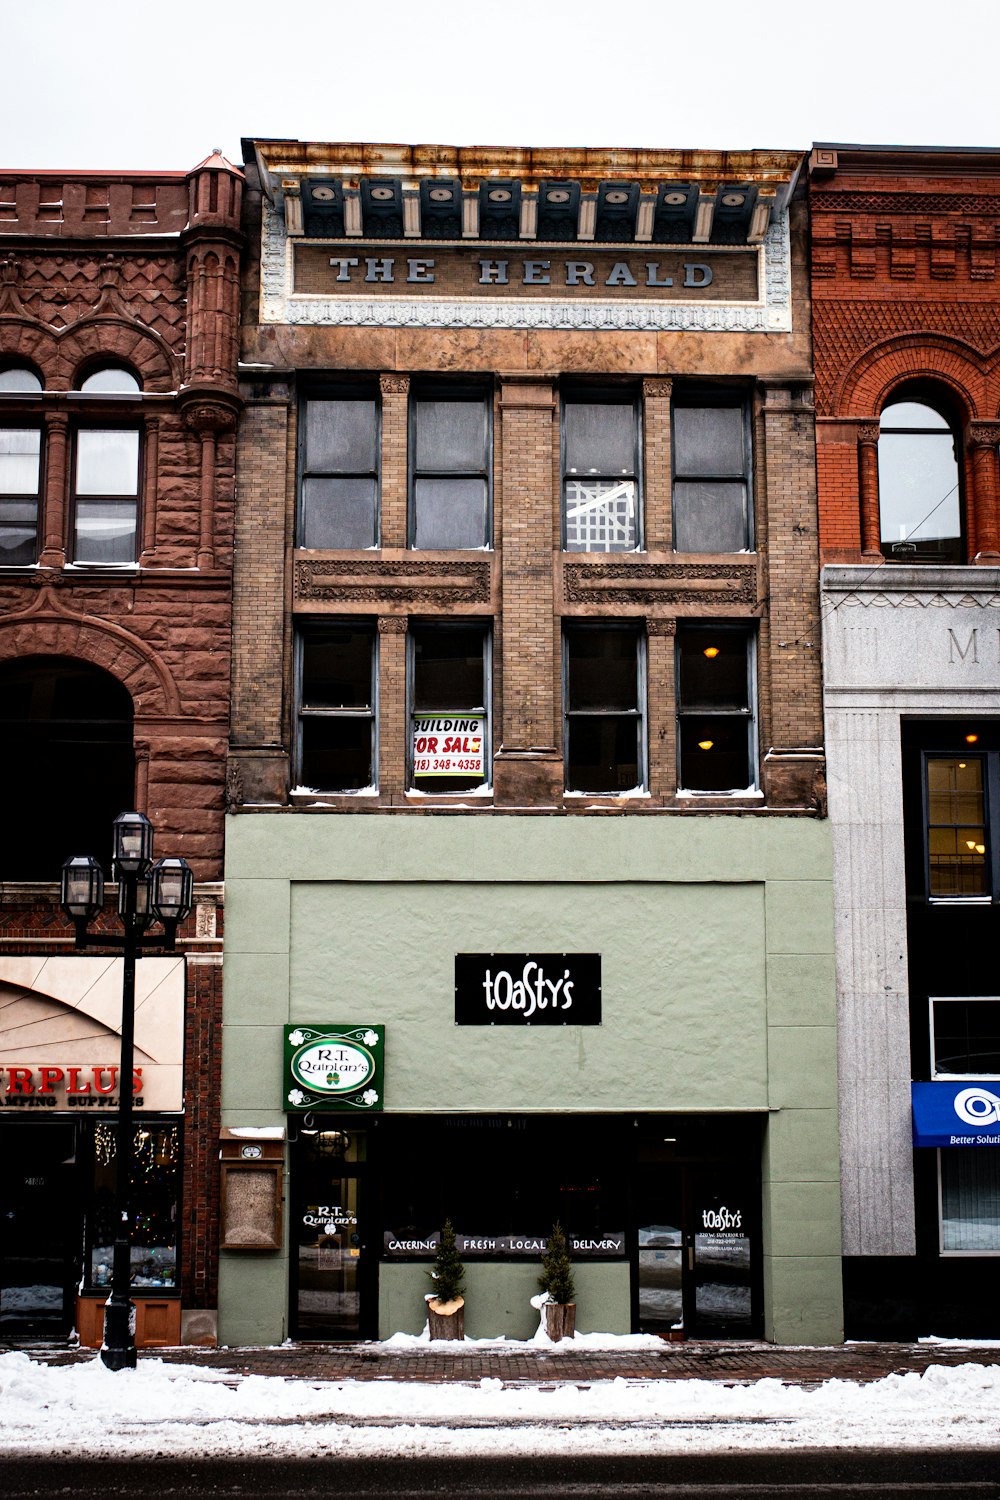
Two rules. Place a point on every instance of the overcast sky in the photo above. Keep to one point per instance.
(118, 83)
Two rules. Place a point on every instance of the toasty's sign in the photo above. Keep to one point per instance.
(535, 271)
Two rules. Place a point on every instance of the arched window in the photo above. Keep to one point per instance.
(106, 469)
(67, 763)
(110, 380)
(19, 381)
(919, 484)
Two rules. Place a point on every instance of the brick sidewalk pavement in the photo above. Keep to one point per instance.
(729, 1363)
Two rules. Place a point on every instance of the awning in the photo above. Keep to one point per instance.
(964, 1113)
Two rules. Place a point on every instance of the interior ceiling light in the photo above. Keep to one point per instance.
(972, 739)
(970, 843)
(705, 744)
(962, 765)
(980, 848)
(711, 652)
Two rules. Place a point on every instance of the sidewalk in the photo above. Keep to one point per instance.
(730, 1364)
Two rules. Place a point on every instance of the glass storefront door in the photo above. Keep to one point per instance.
(39, 1227)
(329, 1265)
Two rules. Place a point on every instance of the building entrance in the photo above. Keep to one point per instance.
(330, 1298)
(697, 1244)
(39, 1227)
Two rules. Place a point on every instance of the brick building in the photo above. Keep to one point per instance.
(906, 325)
(527, 730)
(119, 307)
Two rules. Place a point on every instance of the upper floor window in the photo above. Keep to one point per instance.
(105, 494)
(919, 486)
(449, 707)
(336, 707)
(961, 791)
(715, 708)
(965, 1036)
(19, 381)
(340, 472)
(110, 380)
(604, 694)
(712, 473)
(450, 444)
(600, 464)
(20, 476)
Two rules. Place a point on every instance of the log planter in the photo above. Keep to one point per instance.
(560, 1320)
(446, 1320)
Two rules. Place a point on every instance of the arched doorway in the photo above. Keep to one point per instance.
(67, 762)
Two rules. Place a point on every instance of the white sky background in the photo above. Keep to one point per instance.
(106, 85)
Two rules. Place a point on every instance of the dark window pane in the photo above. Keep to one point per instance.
(599, 438)
(967, 1036)
(602, 670)
(449, 513)
(710, 517)
(105, 531)
(19, 460)
(957, 861)
(602, 753)
(708, 440)
(713, 669)
(18, 524)
(450, 435)
(601, 515)
(107, 462)
(337, 669)
(341, 436)
(66, 727)
(338, 513)
(448, 669)
(336, 753)
(715, 754)
(919, 501)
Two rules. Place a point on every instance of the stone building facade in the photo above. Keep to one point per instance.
(119, 310)
(527, 699)
(906, 323)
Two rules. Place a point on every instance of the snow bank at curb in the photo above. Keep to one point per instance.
(182, 1409)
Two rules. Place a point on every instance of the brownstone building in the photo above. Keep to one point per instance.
(906, 322)
(119, 309)
(527, 703)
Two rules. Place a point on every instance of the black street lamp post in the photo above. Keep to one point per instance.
(147, 892)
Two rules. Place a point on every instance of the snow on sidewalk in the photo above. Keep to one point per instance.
(182, 1409)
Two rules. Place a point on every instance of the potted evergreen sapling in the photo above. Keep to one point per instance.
(446, 1304)
(556, 1281)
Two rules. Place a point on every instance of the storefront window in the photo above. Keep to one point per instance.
(156, 1182)
(970, 1200)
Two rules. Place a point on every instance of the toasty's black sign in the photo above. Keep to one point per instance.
(527, 989)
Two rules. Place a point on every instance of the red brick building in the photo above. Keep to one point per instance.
(906, 323)
(119, 308)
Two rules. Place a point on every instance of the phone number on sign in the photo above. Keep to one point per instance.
(425, 763)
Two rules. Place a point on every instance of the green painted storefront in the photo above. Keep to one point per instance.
(718, 1025)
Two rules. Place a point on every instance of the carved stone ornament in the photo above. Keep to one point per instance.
(983, 435)
(658, 390)
(394, 385)
(392, 624)
(868, 432)
(661, 627)
(662, 583)
(234, 786)
(205, 416)
(401, 582)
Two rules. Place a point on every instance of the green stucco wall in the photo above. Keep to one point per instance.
(718, 994)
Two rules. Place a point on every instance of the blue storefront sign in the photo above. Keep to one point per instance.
(964, 1113)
